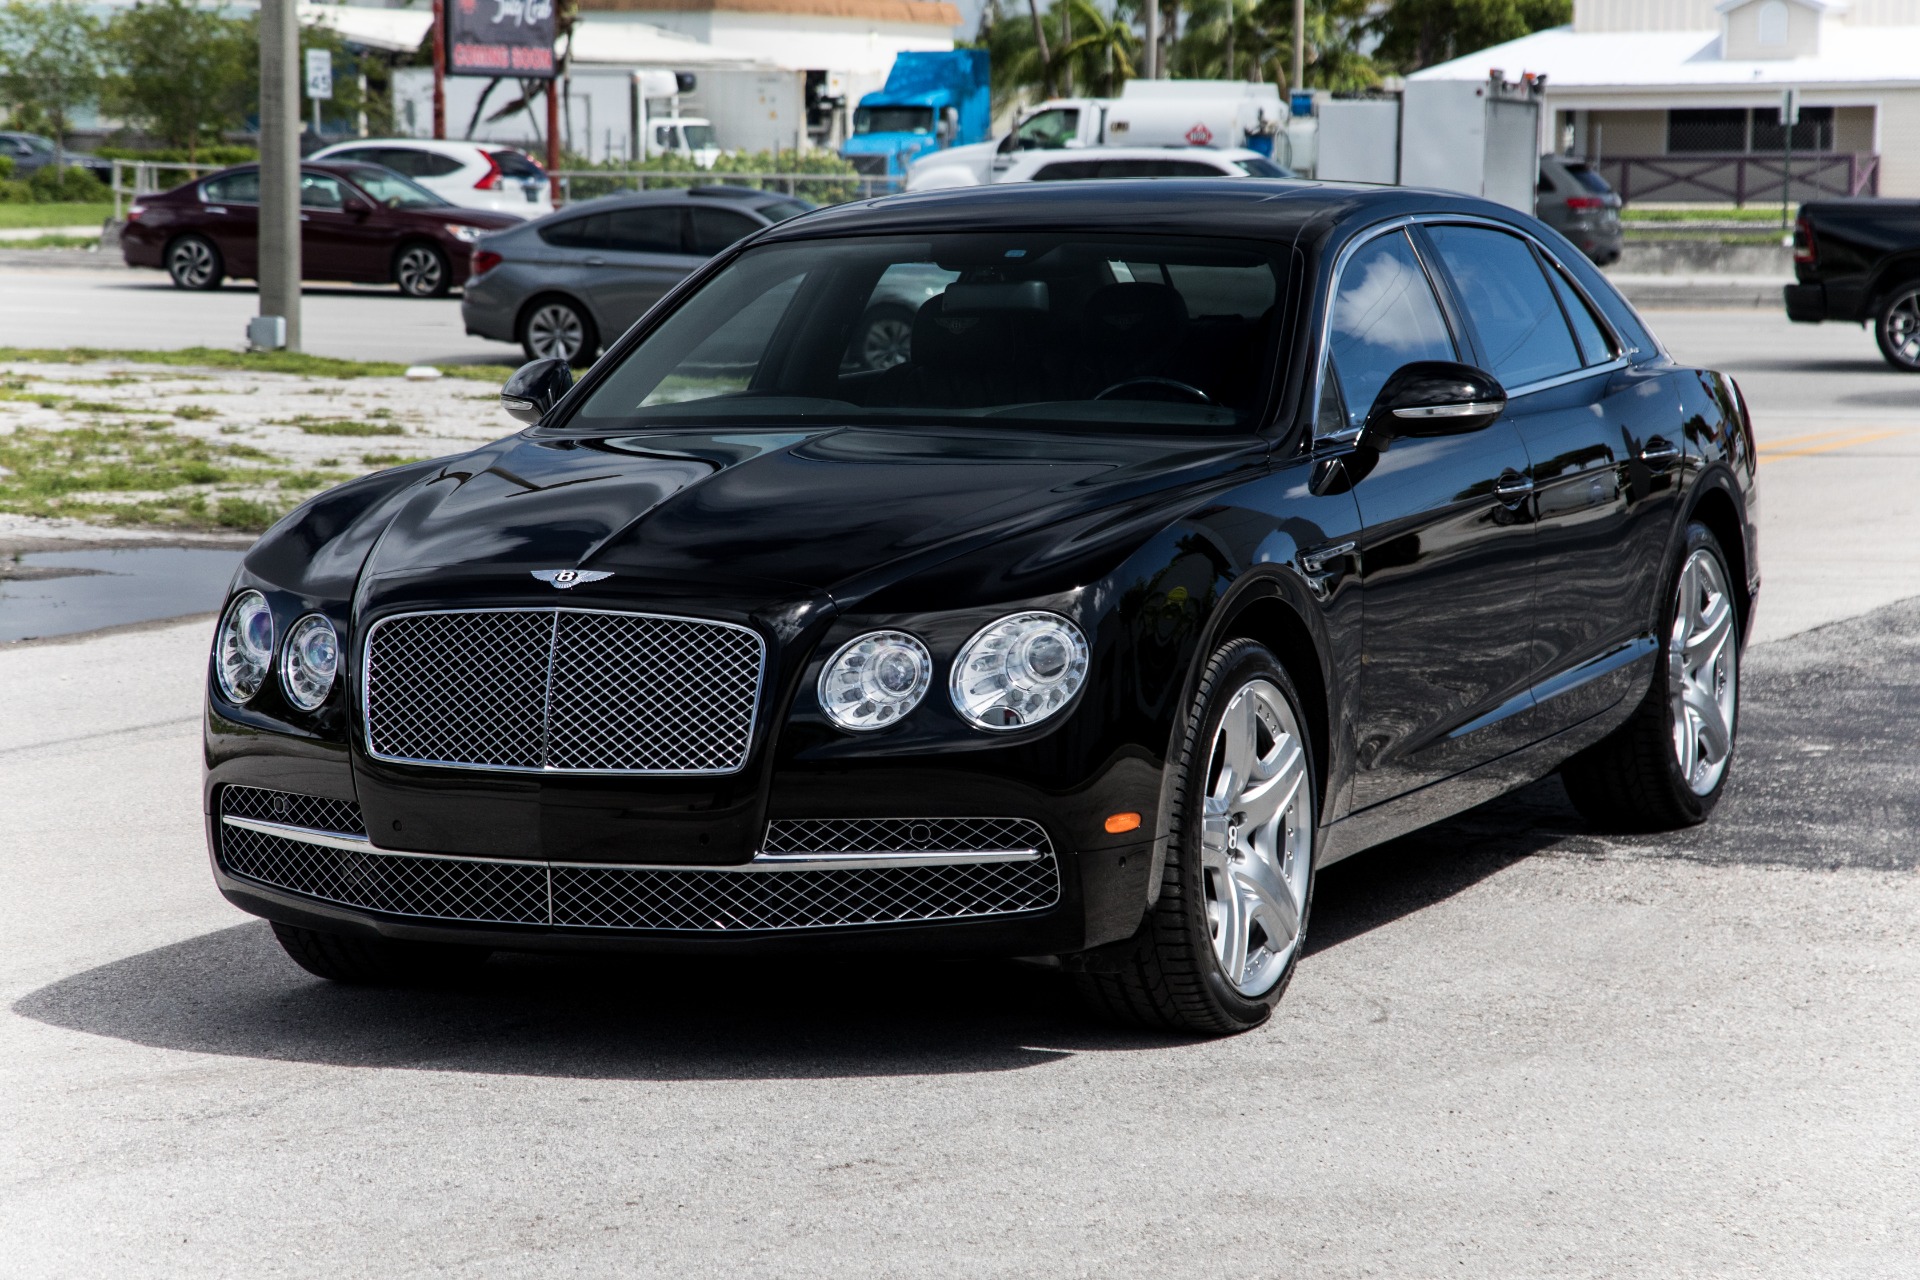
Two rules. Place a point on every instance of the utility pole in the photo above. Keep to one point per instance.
(1299, 46)
(440, 69)
(1153, 39)
(279, 177)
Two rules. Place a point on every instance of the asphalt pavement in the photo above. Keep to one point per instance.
(1515, 1047)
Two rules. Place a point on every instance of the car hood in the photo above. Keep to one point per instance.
(487, 219)
(836, 510)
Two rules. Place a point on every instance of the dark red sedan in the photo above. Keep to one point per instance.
(358, 222)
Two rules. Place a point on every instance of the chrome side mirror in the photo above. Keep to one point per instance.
(536, 387)
(1433, 398)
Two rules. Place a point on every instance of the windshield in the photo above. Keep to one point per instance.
(1047, 130)
(893, 120)
(699, 136)
(1590, 179)
(981, 329)
(1260, 167)
(395, 192)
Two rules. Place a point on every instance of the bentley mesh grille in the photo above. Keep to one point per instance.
(678, 900)
(561, 690)
(315, 813)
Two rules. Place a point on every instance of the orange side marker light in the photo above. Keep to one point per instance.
(1121, 823)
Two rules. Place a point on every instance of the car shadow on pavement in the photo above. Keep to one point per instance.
(232, 992)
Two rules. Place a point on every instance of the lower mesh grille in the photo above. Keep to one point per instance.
(691, 899)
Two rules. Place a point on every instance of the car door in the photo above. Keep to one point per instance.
(1445, 552)
(230, 205)
(646, 255)
(336, 244)
(1586, 418)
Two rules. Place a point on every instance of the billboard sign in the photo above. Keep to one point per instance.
(507, 38)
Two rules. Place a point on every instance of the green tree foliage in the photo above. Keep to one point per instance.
(49, 63)
(1419, 33)
(184, 73)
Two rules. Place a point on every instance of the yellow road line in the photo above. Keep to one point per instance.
(1768, 454)
(1765, 445)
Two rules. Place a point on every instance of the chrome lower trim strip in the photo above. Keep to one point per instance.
(762, 862)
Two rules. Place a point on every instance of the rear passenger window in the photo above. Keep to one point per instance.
(419, 164)
(1594, 347)
(715, 229)
(654, 229)
(578, 233)
(1508, 302)
(1384, 316)
(235, 188)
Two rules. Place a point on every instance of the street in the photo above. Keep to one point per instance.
(1514, 1047)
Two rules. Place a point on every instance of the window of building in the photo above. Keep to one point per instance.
(1772, 22)
(1737, 129)
(1813, 133)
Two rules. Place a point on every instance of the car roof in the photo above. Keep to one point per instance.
(750, 197)
(463, 150)
(1281, 210)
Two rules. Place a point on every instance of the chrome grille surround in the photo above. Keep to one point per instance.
(991, 867)
(553, 690)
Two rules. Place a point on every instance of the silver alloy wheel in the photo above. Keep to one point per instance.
(419, 271)
(191, 263)
(555, 331)
(1256, 841)
(1702, 678)
(1900, 329)
(888, 341)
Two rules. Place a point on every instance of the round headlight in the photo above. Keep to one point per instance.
(310, 662)
(244, 647)
(874, 679)
(1019, 671)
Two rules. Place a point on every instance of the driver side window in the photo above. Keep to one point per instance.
(1384, 315)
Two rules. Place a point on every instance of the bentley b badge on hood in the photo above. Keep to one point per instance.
(561, 579)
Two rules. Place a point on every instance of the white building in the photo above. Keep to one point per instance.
(1679, 100)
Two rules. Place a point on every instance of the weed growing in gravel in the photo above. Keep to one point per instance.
(193, 412)
(293, 362)
(342, 427)
(387, 459)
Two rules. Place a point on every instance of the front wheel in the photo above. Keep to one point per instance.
(194, 263)
(1897, 329)
(1665, 768)
(556, 329)
(1219, 947)
(374, 961)
(421, 271)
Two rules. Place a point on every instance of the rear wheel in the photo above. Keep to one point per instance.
(194, 262)
(374, 961)
(1897, 329)
(558, 329)
(1666, 767)
(421, 271)
(1220, 945)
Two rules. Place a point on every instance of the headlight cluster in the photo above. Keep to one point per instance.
(1010, 675)
(243, 653)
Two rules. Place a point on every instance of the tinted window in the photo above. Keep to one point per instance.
(715, 229)
(419, 164)
(1590, 178)
(1384, 316)
(649, 229)
(781, 210)
(235, 188)
(1594, 347)
(1510, 304)
(1047, 130)
(515, 165)
(320, 191)
(1261, 167)
(893, 120)
(578, 233)
(359, 155)
(1067, 170)
(1106, 332)
(395, 192)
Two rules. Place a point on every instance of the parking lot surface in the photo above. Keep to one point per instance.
(1514, 1048)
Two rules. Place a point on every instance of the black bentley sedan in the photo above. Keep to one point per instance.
(1212, 532)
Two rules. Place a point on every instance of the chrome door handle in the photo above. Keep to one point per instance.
(1659, 450)
(1512, 486)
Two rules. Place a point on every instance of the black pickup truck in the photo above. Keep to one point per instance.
(1859, 260)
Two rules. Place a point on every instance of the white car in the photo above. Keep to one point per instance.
(472, 175)
(1072, 163)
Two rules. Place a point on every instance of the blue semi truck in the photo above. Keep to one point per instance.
(931, 101)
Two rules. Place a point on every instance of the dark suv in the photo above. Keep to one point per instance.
(1576, 201)
(562, 285)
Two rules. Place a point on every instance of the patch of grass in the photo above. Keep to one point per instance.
(347, 427)
(52, 242)
(60, 214)
(387, 459)
(1706, 213)
(292, 362)
(96, 406)
(192, 412)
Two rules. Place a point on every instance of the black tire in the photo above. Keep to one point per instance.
(1167, 976)
(1631, 780)
(559, 327)
(375, 961)
(421, 270)
(194, 262)
(1896, 328)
